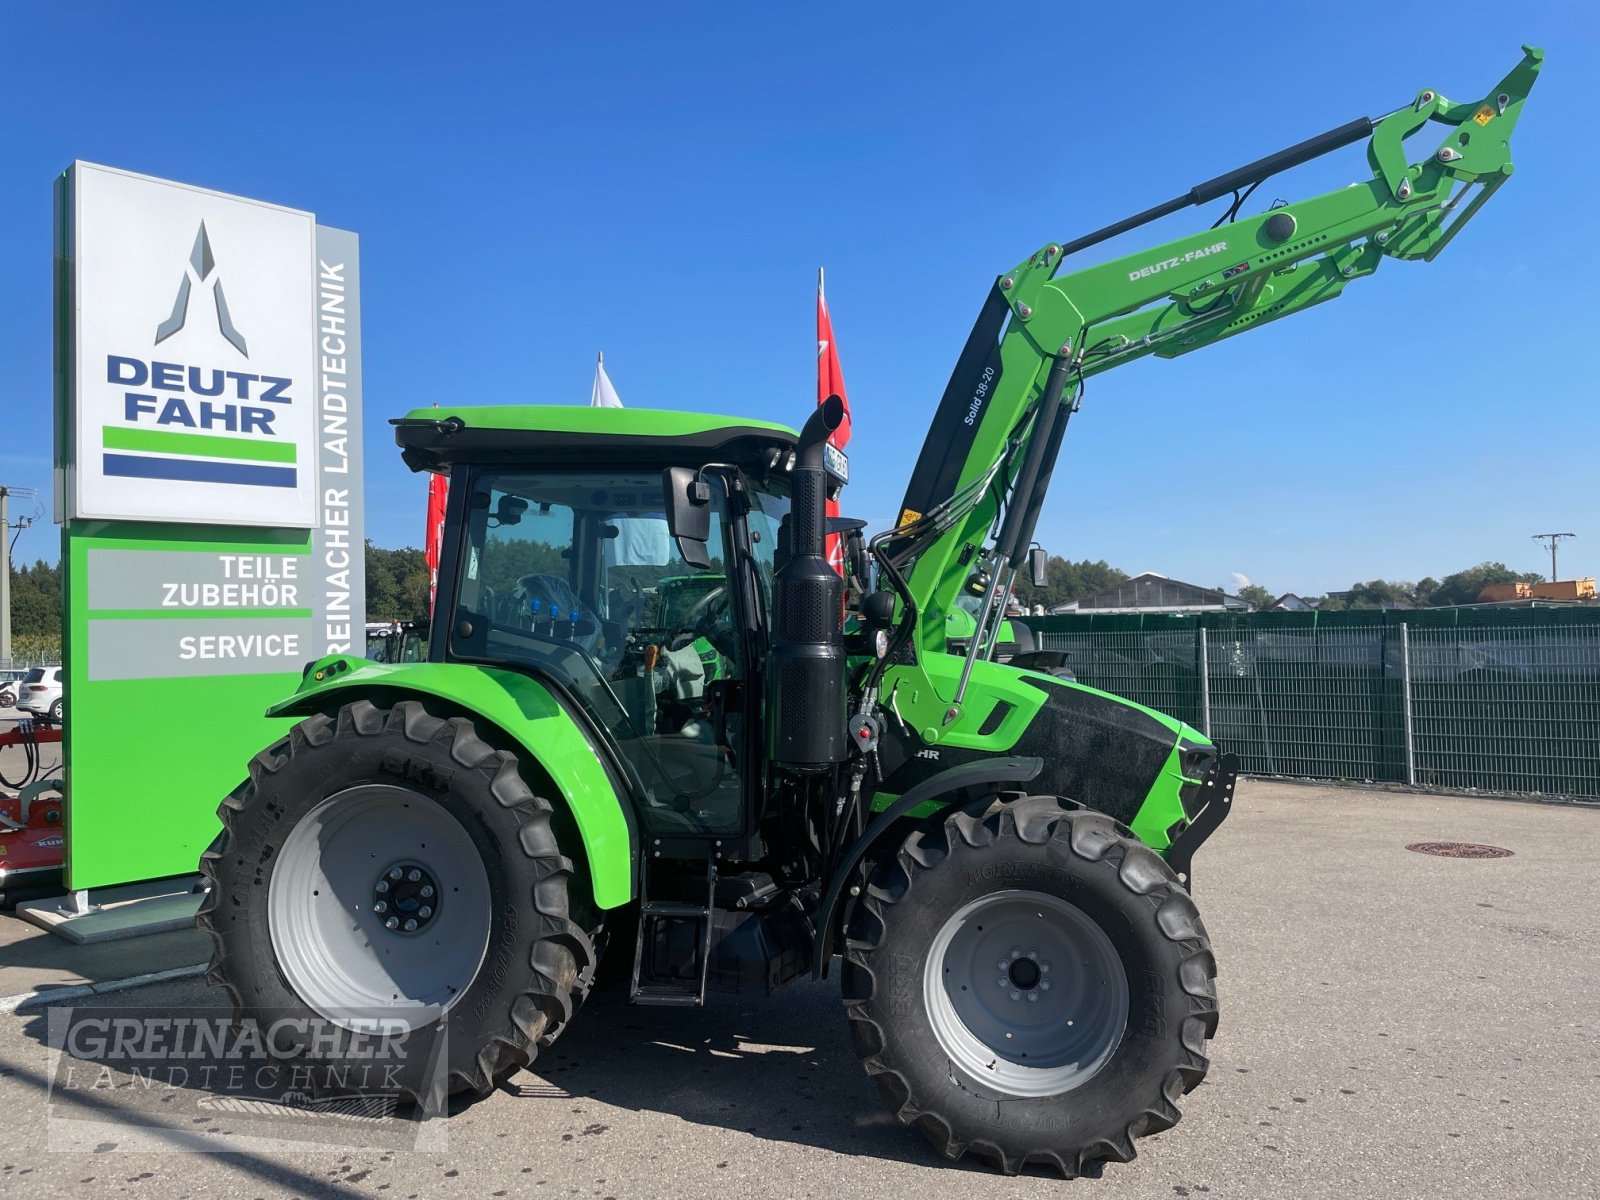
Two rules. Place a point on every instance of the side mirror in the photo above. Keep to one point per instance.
(688, 513)
(1039, 567)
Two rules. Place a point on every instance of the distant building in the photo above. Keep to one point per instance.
(1152, 593)
(1289, 602)
(1563, 589)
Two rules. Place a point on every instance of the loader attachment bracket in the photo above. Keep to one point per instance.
(1216, 790)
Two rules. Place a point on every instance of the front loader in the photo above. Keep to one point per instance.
(646, 743)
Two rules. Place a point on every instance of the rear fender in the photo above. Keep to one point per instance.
(528, 715)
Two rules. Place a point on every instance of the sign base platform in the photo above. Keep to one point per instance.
(129, 910)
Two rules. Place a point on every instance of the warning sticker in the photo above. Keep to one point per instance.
(1484, 115)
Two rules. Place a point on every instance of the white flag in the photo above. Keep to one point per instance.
(603, 395)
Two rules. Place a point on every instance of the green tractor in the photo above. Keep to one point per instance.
(657, 736)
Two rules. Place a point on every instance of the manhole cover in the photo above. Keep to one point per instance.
(1460, 850)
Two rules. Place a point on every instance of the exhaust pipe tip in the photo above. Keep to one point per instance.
(824, 419)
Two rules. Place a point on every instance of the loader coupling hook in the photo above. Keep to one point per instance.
(406, 896)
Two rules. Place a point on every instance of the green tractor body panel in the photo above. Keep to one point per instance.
(1104, 751)
(525, 711)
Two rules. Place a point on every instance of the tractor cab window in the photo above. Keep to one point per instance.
(767, 511)
(575, 574)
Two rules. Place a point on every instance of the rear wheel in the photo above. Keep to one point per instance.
(1032, 985)
(55, 710)
(387, 888)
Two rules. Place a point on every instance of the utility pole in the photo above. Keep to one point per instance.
(5, 563)
(1554, 539)
(5, 576)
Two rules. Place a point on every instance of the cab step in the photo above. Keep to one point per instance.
(673, 952)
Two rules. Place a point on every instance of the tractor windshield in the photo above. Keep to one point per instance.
(575, 573)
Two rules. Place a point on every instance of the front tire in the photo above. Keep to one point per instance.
(1032, 985)
(384, 869)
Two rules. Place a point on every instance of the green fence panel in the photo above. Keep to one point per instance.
(1500, 699)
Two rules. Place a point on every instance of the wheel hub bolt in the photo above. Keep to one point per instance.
(408, 891)
(1022, 974)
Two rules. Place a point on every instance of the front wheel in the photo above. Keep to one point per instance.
(1032, 985)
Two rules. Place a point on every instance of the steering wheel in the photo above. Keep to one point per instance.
(703, 618)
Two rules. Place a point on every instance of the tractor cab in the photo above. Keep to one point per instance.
(559, 561)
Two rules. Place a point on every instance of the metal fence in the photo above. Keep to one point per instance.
(1505, 700)
(24, 663)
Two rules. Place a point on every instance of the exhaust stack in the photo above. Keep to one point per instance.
(806, 706)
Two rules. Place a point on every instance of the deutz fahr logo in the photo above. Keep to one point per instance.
(183, 421)
(200, 266)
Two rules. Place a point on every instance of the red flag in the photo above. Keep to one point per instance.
(438, 486)
(830, 382)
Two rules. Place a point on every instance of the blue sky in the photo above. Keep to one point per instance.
(534, 183)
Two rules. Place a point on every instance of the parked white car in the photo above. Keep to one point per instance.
(41, 691)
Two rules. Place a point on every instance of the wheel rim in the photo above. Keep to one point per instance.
(350, 935)
(1026, 991)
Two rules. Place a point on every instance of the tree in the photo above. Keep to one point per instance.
(1381, 593)
(36, 601)
(1068, 581)
(1463, 586)
(1259, 598)
(397, 584)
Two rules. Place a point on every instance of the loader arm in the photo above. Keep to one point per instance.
(975, 494)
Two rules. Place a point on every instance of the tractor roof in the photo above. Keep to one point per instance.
(431, 438)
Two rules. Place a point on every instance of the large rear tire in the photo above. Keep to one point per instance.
(386, 869)
(1032, 985)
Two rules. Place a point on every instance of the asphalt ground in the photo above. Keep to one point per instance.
(1393, 1025)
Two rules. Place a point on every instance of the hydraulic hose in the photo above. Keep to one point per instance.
(30, 757)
